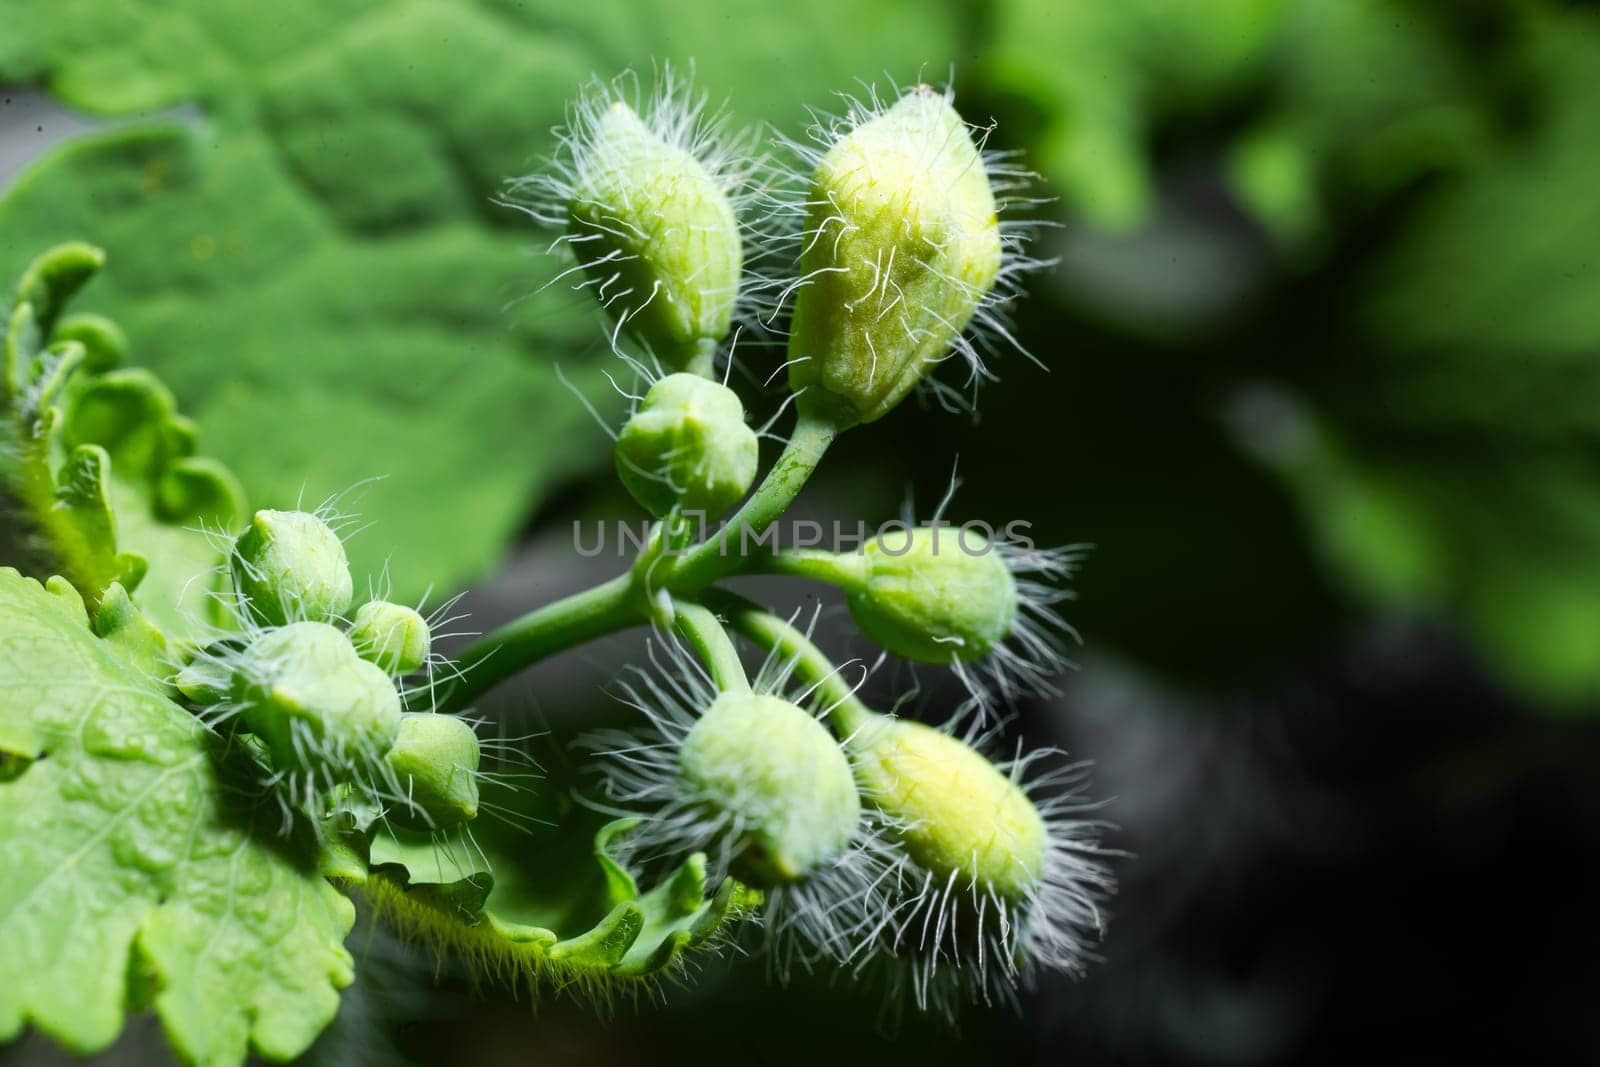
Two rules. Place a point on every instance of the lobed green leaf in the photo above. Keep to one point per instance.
(137, 871)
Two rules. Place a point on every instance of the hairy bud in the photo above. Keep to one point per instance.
(904, 247)
(393, 636)
(935, 594)
(290, 566)
(687, 446)
(435, 761)
(659, 235)
(313, 701)
(776, 776)
(951, 809)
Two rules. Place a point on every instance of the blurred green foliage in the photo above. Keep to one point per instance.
(313, 262)
(1413, 350)
(1324, 339)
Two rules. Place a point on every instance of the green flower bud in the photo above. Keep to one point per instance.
(905, 247)
(435, 761)
(312, 700)
(205, 680)
(951, 809)
(687, 446)
(290, 566)
(392, 636)
(934, 594)
(658, 234)
(778, 777)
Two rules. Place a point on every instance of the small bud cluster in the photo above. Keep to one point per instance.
(896, 847)
(879, 843)
(319, 690)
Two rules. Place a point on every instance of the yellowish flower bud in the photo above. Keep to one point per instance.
(952, 810)
(904, 247)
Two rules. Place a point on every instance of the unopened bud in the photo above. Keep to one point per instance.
(313, 701)
(773, 773)
(934, 594)
(435, 760)
(393, 636)
(952, 810)
(905, 247)
(290, 566)
(687, 446)
(658, 234)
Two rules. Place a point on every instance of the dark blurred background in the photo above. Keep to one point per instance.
(1322, 387)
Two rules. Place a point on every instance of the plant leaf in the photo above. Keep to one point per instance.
(135, 868)
(1100, 76)
(551, 906)
(316, 267)
(93, 458)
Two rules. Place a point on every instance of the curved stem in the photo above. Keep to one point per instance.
(847, 570)
(715, 558)
(496, 656)
(713, 645)
(623, 601)
(846, 712)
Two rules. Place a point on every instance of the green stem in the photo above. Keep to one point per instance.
(713, 559)
(846, 712)
(624, 601)
(713, 645)
(847, 570)
(496, 656)
(703, 361)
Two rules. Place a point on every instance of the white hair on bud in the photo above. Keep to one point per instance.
(672, 110)
(332, 777)
(823, 916)
(947, 942)
(1032, 657)
(788, 220)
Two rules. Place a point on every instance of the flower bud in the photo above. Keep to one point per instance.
(935, 594)
(687, 446)
(290, 566)
(392, 636)
(905, 246)
(775, 775)
(435, 761)
(658, 234)
(951, 809)
(313, 701)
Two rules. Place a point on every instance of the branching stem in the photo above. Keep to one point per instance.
(626, 601)
(723, 554)
(491, 659)
(846, 712)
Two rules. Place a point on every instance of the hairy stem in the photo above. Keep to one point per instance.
(846, 712)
